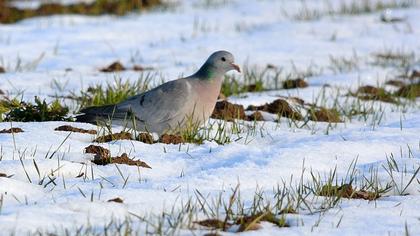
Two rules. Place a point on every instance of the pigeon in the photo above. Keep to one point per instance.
(172, 106)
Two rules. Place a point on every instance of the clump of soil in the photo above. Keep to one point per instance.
(74, 129)
(11, 130)
(102, 157)
(409, 91)
(256, 116)
(252, 222)
(396, 83)
(347, 191)
(2, 70)
(372, 93)
(214, 223)
(100, 152)
(145, 138)
(245, 223)
(113, 137)
(10, 14)
(324, 115)
(5, 175)
(118, 66)
(225, 110)
(294, 83)
(278, 106)
(171, 139)
(115, 66)
(123, 159)
(117, 200)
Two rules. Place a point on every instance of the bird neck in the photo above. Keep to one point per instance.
(208, 72)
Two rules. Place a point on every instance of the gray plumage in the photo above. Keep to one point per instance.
(172, 105)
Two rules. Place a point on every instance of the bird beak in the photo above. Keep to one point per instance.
(236, 67)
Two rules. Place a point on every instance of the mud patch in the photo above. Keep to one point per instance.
(3, 175)
(225, 110)
(214, 224)
(409, 91)
(117, 200)
(118, 66)
(396, 83)
(244, 223)
(324, 115)
(373, 93)
(10, 14)
(294, 83)
(256, 116)
(280, 107)
(171, 139)
(145, 138)
(102, 157)
(74, 129)
(113, 137)
(11, 130)
(98, 151)
(252, 222)
(347, 191)
(113, 67)
(123, 159)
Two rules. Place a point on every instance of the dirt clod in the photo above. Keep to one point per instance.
(294, 83)
(5, 175)
(113, 137)
(171, 139)
(103, 158)
(117, 200)
(347, 191)
(256, 116)
(369, 92)
(225, 110)
(409, 91)
(74, 129)
(280, 107)
(324, 115)
(396, 83)
(113, 67)
(100, 152)
(145, 138)
(11, 130)
(2, 70)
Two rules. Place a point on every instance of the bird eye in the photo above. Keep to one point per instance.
(223, 59)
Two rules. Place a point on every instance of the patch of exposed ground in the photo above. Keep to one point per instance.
(278, 106)
(102, 157)
(11, 130)
(118, 66)
(171, 139)
(74, 129)
(112, 137)
(369, 92)
(324, 115)
(2, 70)
(294, 83)
(117, 200)
(347, 191)
(225, 110)
(145, 138)
(10, 14)
(244, 223)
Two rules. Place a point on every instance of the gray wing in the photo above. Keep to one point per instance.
(160, 104)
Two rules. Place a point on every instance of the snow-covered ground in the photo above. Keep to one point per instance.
(175, 41)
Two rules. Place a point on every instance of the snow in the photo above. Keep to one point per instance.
(175, 42)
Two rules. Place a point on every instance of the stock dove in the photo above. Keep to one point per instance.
(172, 105)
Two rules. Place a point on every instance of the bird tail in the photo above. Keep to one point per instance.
(97, 114)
